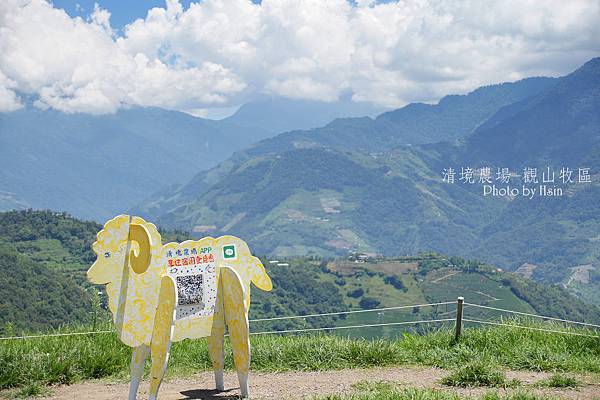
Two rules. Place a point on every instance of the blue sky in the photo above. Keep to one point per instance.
(218, 54)
(122, 11)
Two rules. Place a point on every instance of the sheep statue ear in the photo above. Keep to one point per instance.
(140, 261)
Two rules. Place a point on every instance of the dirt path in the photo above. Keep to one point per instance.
(487, 295)
(303, 385)
(445, 276)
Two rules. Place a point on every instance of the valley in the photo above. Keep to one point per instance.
(352, 186)
(363, 185)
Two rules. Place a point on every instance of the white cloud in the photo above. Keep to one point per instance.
(218, 53)
(8, 98)
(74, 65)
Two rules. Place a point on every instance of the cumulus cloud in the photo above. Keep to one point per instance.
(8, 98)
(218, 53)
(77, 65)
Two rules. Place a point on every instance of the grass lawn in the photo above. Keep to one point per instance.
(69, 359)
(386, 391)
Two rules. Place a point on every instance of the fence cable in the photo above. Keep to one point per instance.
(55, 335)
(349, 312)
(258, 320)
(333, 328)
(532, 315)
(366, 325)
(528, 327)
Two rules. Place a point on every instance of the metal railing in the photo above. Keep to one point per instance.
(459, 321)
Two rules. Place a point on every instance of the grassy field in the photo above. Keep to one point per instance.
(439, 285)
(69, 359)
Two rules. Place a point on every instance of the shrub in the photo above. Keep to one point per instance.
(356, 293)
(395, 282)
(560, 381)
(515, 396)
(32, 389)
(368, 302)
(475, 374)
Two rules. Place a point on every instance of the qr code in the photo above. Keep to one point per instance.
(189, 289)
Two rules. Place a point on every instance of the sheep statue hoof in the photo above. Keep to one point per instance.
(159, 294)
(219, 382)
(243, 379)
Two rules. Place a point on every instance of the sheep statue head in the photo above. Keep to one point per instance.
(159, 294)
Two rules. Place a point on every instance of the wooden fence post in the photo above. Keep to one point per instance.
(459, 317)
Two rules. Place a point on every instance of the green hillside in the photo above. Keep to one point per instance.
(423, 279)
(327, 202)
(33, 297)
(56, 240)
(316, 192)
(42, 255)
(51, 251)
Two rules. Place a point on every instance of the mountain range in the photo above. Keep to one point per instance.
(376, 185)
(95, 166)
(367, 184)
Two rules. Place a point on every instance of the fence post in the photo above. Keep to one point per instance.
(459, 317)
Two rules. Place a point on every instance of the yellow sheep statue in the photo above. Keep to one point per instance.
(160, 294)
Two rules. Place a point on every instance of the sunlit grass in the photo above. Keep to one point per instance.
(476, 373)
(390, 391)
(68, 359)
(560, 381)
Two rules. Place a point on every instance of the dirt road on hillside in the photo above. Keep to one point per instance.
(304, 385)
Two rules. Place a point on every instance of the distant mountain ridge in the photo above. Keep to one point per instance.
(456, 116)
(453, 118)
(382, 134)
(97, 166)
(278, 114)
(529, 130)
(311, 192)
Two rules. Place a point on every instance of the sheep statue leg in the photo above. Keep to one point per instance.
(162, 334)
(215, 345)
(236, 318)
(138, 359)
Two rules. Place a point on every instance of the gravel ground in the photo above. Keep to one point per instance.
(303, 385)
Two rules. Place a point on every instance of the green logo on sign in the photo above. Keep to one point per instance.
(229, 252)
